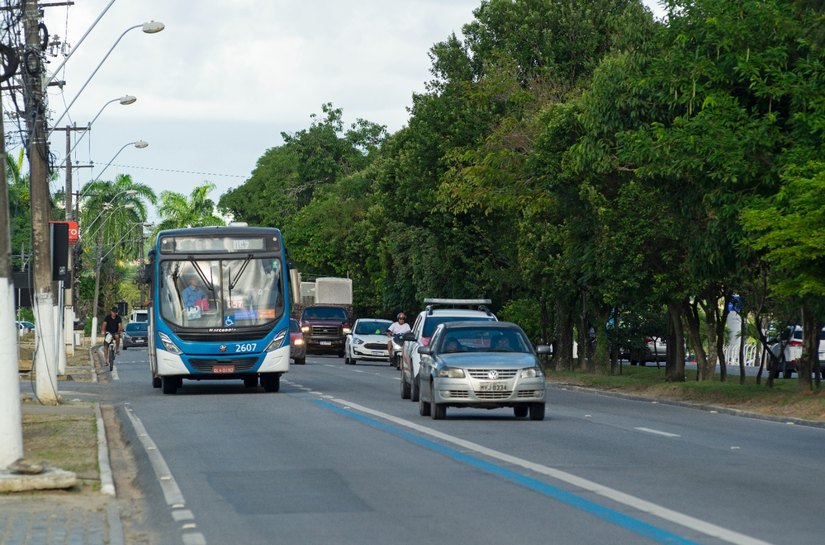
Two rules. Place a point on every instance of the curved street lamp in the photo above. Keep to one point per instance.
(152, 27)
(125, 100)
(139, 144)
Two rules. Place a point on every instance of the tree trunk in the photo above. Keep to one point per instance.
(564, 358)
(675, 371)
(584, 345)
(742, 333)
(810, 347)
(720, 340)
(711, 308)
(692, 320)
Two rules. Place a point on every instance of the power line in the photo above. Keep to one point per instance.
(181, 171)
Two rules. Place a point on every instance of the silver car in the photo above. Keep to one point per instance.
(484, 365)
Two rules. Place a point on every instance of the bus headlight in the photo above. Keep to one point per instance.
(277, 341)
(169, 345)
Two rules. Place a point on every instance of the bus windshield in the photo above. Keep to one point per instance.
(236, 292)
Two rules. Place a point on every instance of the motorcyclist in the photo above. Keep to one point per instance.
(399, 327)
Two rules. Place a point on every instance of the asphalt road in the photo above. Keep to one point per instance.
(338, 457)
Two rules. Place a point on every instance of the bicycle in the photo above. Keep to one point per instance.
(109, 349)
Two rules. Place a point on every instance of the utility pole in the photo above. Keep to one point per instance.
(11, 424)
(45, 360)
(68, 300)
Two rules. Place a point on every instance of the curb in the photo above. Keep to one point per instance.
(691, 405)
(107, 483)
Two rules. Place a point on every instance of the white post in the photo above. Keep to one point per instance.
(45, 359)
(11, 423)
(68, 332)
(59, 345)
(94, 330)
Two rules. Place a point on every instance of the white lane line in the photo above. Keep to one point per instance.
(676, 517)
(657, 432)
(171, 490)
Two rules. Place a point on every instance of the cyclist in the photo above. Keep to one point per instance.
(113, 324)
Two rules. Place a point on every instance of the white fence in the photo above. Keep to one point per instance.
(732, 354)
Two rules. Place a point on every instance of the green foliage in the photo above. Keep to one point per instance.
(178, 211)
(789, 231)
(573, 157)
(524, 312)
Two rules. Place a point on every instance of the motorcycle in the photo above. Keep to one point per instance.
(397, 347)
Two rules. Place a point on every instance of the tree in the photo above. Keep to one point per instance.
(789, 231)
(196, 210)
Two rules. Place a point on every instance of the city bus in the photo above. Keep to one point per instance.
(219, 306)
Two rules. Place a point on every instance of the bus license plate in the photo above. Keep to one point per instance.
(223, 369)
(492, 386)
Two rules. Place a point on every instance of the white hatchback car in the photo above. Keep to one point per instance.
(438, 311)
(368, 341)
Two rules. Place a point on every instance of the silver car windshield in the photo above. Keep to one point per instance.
(483, 340)
(219, 293)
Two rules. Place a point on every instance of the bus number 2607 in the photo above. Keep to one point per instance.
(249, 347)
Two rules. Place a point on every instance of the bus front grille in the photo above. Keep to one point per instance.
(205, 365)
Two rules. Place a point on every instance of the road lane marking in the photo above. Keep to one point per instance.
(620, 519)
(657, 432)
(168, 484)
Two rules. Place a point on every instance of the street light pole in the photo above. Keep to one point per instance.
(152, 27)
(139, 144)
(124, 100)
(99, 17)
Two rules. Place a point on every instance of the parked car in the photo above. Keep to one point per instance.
(135, 334)
(368, 341)
(24, 327)
(654, 349)
(483, 365)
(297, 346)
(788, 349)
(437, 312)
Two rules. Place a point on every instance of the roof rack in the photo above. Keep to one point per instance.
(480, 303)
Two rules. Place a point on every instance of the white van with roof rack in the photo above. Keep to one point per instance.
(437, 311)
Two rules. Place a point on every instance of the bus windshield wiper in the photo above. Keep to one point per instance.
(208, 283)
(234, 281)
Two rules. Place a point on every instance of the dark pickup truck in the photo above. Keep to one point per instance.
(325, 327)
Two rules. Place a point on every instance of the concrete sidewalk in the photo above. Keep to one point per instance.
(33, 511)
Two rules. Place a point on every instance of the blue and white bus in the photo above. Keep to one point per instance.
(220, 306)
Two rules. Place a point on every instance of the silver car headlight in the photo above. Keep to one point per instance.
(357, 340)
(533, 372)
(450, 372)
(169, 345)
(277, 341)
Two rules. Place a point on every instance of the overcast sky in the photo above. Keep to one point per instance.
(220, 83)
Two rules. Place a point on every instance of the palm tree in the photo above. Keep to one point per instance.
(19, 207)
(112, 211)
(178, 211)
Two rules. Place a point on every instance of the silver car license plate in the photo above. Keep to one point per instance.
(492, 386)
